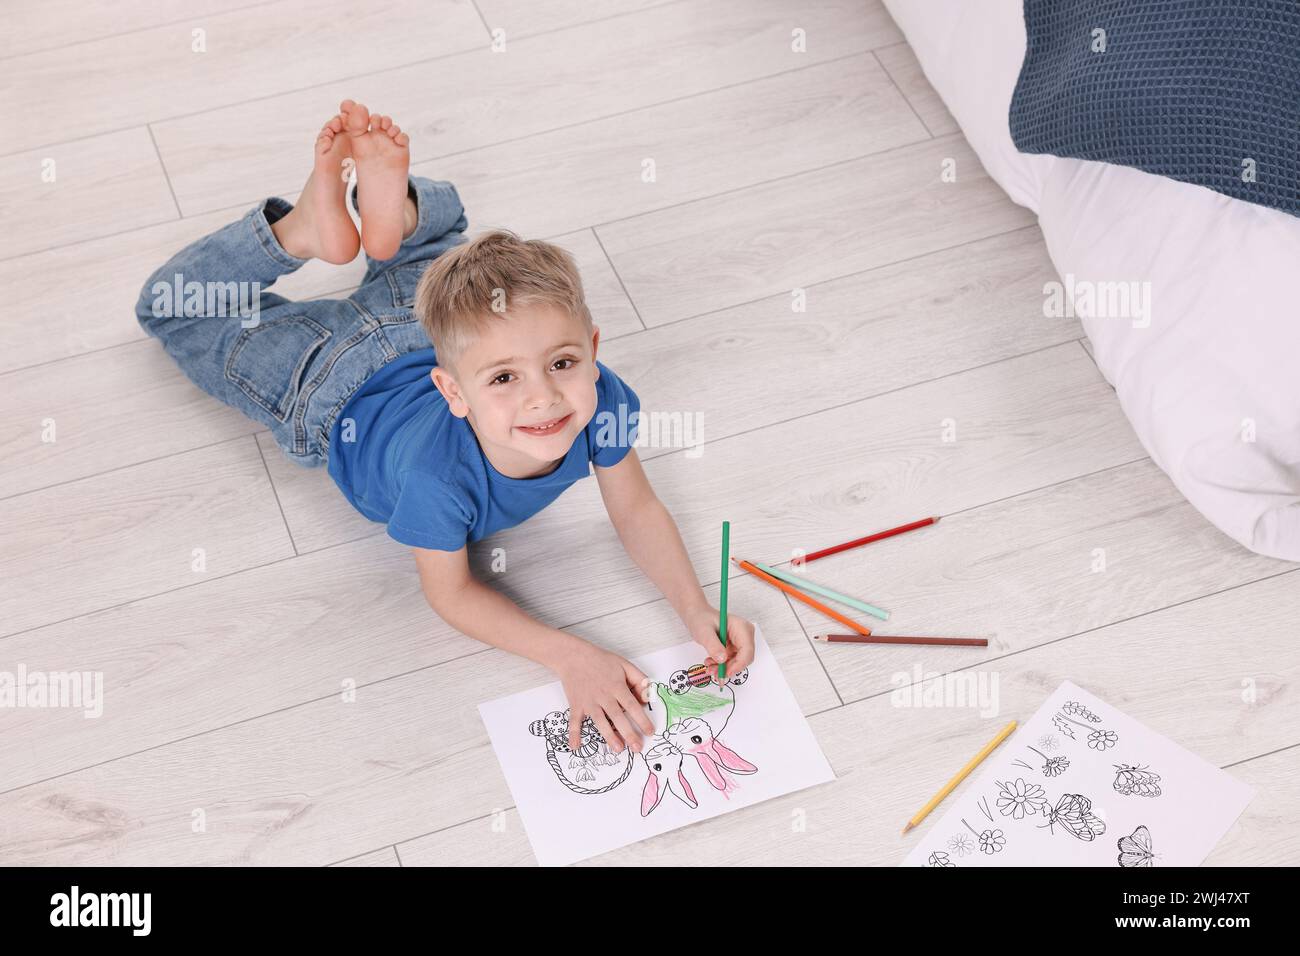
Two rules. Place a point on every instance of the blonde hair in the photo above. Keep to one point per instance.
(455, 297)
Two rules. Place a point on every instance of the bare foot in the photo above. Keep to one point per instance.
(338, 236)
(318, 226)
(380, 149)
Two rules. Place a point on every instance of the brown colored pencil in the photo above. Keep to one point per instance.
(905, 639)
(794, 592)
(858, 542)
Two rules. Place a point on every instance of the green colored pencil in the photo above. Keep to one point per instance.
(805, 585)
(726, 570)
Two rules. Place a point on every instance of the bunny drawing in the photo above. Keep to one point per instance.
(665, 763)
(689, 714)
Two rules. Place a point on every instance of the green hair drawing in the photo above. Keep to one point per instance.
(692, 703)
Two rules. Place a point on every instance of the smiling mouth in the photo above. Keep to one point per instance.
(547, 428)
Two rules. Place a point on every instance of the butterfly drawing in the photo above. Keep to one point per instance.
(1131, 779)
(1135, 849)
(1073, 812)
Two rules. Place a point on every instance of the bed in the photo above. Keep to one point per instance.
(1209, 375)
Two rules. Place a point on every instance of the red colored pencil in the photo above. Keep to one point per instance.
(868, 539)
(882, 639)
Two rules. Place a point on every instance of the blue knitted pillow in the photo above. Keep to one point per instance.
(1203, 91)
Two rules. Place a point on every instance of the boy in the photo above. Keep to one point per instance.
(449, 421)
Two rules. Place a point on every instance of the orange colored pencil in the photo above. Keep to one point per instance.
(794, 592)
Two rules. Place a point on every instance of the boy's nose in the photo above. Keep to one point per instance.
(543, 397)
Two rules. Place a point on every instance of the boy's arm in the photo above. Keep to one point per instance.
(650, 537)
(486, 615)
(599, 684)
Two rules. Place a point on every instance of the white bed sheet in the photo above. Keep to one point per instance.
(1212, 384)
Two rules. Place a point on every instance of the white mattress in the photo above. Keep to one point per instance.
(1212, 384)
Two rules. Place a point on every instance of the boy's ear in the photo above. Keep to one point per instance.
(445, 383)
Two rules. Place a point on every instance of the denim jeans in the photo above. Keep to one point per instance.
(288, 365)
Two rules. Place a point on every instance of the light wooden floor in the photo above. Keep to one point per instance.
(776, 170)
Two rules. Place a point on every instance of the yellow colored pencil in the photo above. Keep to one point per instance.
(962, 774)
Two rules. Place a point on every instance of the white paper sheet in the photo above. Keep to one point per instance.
(721, 748)
(1082, 784)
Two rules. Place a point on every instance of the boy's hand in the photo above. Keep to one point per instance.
(606, 688)
(739, 650)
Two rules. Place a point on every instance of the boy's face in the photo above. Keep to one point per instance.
(534, 366)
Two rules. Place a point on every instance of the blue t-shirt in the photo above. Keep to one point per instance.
(419, 469)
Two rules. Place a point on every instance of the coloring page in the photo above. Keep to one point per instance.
(1082, 784)
(716, 748)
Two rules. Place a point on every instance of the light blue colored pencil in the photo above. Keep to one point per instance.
(805, 585)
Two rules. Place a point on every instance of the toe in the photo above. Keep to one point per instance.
(335, 124)
(401, 139)
(385, 122)
(358, 119)
(394, 130)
